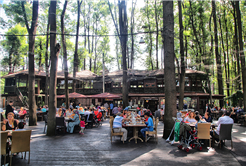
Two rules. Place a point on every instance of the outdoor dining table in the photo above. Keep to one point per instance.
(135, 130)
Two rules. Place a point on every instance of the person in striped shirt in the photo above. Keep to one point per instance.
(117, 125)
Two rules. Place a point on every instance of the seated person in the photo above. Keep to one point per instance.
(187, 114)
(198, 119)
(207, 117)
(225, 119)
(22, 111)
(10, 123)
(69, 113)
(81, 111)
(59, 113)
(44, 109)
(190, 118)
(141, 112)
(117, 125)
(20, 126)
(75, 121)
(149, 124)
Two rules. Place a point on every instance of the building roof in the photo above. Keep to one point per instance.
(85, 74)
(149, 73)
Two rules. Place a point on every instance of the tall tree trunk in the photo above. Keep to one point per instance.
(198, 61)
(132, 37)
(227, 54)
(54, 53)
(46, 101)
(157, 35)
(85, 35)
(95, 61)
(150, 38)
(211, 55)
(31, 75)
(218, 56)
(170, 83)
(76, 59)
(40, 56)
(10, 63)
(88, 21)
(123, 38)
(238, 82)
(64, 53)
(92, 42)
(241, 52)
(182, 75)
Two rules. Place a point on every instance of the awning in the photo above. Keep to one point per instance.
(105, 96)
(73, 95)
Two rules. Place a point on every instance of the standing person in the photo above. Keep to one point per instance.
(82, 126)
(9, 108)
(158, 114)
(106, 105)
(44, 109)
(74, 104)
(208, 109)
(149, 125)
(117, 125)
(111, 108)
(115, 111)
(64, 104)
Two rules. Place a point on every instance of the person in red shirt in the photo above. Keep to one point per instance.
(82, 126)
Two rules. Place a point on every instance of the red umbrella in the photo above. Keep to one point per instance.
(72, 95)
(105, 95)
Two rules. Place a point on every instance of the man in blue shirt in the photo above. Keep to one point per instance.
(149, 124)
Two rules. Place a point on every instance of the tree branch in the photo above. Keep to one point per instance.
(114, 20)
(25, 17)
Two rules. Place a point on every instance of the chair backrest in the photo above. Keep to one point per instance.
(60, 121)
(225, 131)
(203, 130)
(4, 136)
(21, 141)
(111, 123)
(1, 125)
(91, 117)
(156, 123)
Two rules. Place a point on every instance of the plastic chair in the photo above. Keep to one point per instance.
(4, 136)
(112, 131)
(225, 133)
(1, 125)
(203, 132)
(154, 131)
(60, 124)
(20, 143)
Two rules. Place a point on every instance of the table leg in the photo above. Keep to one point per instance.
(135, 135)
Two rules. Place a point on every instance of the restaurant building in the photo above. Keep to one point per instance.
(145, 88)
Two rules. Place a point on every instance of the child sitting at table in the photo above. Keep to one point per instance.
(82, 126)
(20, 126)
(149, 124)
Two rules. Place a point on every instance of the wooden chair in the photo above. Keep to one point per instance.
(112, 130)
(154, 132)
(1, 125)
(20, 143)
(203, 131)
(4, 136)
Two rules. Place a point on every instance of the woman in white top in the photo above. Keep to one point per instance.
(190, 118)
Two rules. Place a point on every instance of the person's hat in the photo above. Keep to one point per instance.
(119, 113)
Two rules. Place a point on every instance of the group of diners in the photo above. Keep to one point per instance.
(193, 118)
(126, 115)
(78, 115)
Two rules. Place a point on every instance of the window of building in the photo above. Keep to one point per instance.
(133, 84)
(116, 85)
(140, 84)
(187, 81)
(160, 83)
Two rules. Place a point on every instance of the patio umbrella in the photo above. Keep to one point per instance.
(105, 96)
(73, 95)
